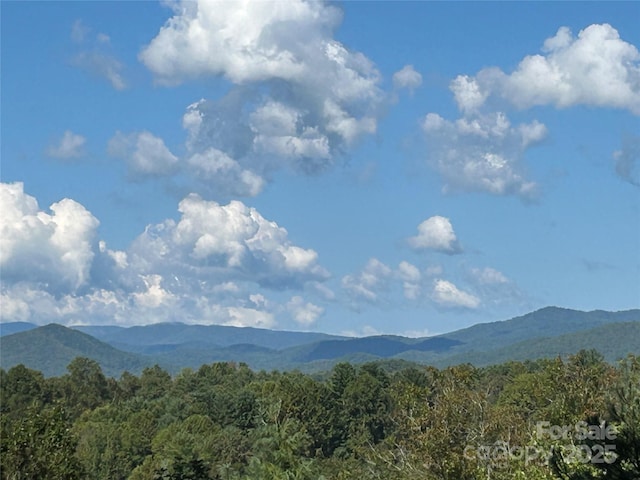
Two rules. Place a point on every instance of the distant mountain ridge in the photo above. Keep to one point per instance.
(213, 335)
(613, 341)
(546, 322)
(15, 327)
(52, 347)
(382, 346)
(547, 332)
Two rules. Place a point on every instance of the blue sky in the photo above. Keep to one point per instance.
(358, 167)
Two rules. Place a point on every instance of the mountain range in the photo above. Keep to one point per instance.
(547, 332)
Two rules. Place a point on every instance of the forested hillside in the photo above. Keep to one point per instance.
(545, 333)
(575, 418)
(50, 348)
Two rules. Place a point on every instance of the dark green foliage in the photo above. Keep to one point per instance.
(39, 446)
(154, 382)
(114, 439)
(624, 416)
(51, 348)
(21, 387)
(85, 387)
(224, 421)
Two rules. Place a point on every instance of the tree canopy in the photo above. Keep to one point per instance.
(534, 420)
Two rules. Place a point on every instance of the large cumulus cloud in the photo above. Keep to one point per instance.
(596, 68)
(231, 241)
(298, 99)
(483, 152)
(208, 266)
(50, 248)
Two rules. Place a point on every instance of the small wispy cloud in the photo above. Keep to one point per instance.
(95, 57)
(627, 160)
(71, 145)
(407, 78)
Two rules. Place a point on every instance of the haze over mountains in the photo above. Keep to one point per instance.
(547, 332)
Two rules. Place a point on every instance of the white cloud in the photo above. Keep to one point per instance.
(627, 160)
(409, 272)
(411, 277)
(596, 68)
(407, 77)
(95, 57)
(54, 248)
(195, 270)
(412, 291)
(493, 286)
(23, 302)
(146, 155)
(531, 133)
(417, 333)
(368, 284)
(482, 152)
(279, 131)
(119, 257)
(303, 313)
(300, 98)
(446, 294)
(467, 93)
(252, 312)
(488, 276)
(436, 233)
(227, 287)
(434, 270)
(244, 44)
(70, 146)
(322, 290)
(232, 241)
(14, 308)
(154, 295)
(248, 317)
(296, 131)
(215, 171)
(102, 65)
(290, 42)
(149, 303)
(79, 31)
(365, 331)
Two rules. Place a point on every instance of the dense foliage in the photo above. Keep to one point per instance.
(535, 420)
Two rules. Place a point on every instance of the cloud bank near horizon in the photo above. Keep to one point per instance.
(215, 264)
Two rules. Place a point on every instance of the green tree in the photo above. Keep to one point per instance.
(281, 449)
(154, 382)
(186, 449)
(623, 460)
(85, 386)
(113, 440)
(40, 446)
(21, 387)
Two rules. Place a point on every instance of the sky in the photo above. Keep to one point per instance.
(355, 168)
